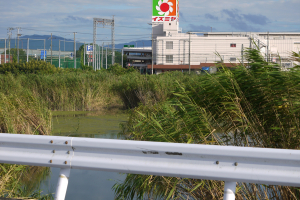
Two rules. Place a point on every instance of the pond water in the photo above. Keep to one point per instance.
(86, 184)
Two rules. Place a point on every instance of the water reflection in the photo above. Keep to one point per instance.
(86, 184)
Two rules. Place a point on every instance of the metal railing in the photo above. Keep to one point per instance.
(224, 163)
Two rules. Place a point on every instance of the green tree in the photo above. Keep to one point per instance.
(14, 55)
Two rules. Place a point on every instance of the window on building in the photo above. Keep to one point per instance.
(232, 59)
(169, 45)
(232, 45)
(169, 58)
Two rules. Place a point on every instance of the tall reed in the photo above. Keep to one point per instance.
(255, 107)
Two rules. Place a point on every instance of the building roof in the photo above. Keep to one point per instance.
(138, 49)
(180, 67)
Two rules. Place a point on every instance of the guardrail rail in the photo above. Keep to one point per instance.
(225, 163)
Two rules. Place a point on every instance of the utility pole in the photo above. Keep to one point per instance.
(18, 34)
(5, 51)
(27, 49)
(106, 58)
(9, 30)
(113, 40)
(58, 53)
(51, 48)
(189, 53)
(74, 51)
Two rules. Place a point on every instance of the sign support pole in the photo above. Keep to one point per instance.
(229, 190)
(84, 54)
(62, 184)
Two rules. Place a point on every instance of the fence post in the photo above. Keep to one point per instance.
(229, 190)
(62, 184)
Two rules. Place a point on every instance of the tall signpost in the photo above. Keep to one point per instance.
(163, 11)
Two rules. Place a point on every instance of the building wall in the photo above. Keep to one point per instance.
(203, 49)
(214, 48)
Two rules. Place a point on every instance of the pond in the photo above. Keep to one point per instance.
(86, 184)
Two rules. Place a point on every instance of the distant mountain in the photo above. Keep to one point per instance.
(46, 37)
(138, 43)
(36, 42)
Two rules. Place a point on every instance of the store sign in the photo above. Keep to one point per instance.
(165, 10)
(89, 49)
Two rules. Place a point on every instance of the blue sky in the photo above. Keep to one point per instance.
(63, 17)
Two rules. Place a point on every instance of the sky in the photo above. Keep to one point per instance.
(63, 17)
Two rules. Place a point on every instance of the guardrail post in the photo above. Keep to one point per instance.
(229, 190)
(62, 184)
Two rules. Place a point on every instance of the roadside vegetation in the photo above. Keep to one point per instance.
(255, 106)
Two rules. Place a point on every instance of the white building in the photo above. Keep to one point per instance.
(174, 50)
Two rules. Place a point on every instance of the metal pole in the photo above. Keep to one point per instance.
(113, 40)
(229, 190)
(84, 54)
(102, 56)
(5, 51)
(9, 49)
(51, 48)
(106, 58)
(18, 47)
(64, 50)
(93, 59)
(59, 53)
(94, 41)
(268, 48)
(99, 61)
(242, 54)
(122, 57)
(27, 49)
(74, 52)
(44, 49)
(97, 57)
(189, 53)
(152, 52)
(62, 184)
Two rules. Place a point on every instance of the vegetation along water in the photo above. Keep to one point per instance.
(255, 105)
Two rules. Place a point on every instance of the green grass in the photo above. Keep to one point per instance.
(255, 107)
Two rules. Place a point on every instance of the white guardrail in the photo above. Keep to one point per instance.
(225, 163)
